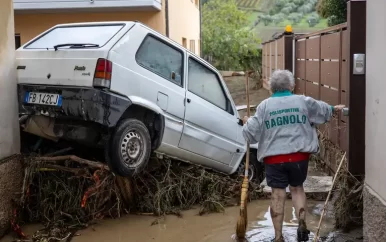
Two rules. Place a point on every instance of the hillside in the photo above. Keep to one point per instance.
(271, 16)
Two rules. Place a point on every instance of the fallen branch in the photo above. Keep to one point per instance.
(59, 152)
(73, 158)
(328, 197)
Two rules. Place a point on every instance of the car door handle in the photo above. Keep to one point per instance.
(188, 100)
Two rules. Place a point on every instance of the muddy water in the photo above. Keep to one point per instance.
(194, 228)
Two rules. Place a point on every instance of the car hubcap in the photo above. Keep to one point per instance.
(131, 148)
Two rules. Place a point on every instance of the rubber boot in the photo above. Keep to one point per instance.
(303, 232)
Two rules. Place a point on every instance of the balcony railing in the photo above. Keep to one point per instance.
(86, 5)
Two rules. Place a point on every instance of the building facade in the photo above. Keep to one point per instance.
(177, 19)
(374, 206)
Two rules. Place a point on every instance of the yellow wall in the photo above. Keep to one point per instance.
(30, 25)
(184, 22)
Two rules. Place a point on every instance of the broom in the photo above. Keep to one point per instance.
(242, 222)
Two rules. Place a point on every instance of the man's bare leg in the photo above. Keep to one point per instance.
(277, 210)
(299, 202)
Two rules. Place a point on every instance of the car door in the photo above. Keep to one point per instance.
(210, 125)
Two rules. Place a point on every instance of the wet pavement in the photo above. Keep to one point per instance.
(194, 228)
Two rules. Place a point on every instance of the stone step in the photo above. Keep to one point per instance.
(314, 185)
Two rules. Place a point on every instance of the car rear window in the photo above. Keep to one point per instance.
(90, 34)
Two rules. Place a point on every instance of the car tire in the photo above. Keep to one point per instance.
(129, 148)
(256, 168)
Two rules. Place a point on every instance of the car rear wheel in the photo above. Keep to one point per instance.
(130, 148)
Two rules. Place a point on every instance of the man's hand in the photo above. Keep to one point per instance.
(245, 119)
(339, 107)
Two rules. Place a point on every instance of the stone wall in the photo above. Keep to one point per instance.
(374, 216)
(11, 177)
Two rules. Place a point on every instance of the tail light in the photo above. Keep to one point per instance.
(102, 76)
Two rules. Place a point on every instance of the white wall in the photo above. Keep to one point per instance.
(9, 125)
(376, 97)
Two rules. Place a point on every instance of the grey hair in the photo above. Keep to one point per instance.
(281, 80)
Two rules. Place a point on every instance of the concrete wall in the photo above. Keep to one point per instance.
(184, 22)
(375, 122)
(10, 171)
(376, 98)
(9, 125)
(30, 25)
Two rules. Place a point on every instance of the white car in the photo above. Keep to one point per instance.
(128, 89)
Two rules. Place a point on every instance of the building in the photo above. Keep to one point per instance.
(374, 196)
(177, 19)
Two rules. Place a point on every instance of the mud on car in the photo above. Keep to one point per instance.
(127, 89)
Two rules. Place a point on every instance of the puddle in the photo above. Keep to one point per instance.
(194, 228)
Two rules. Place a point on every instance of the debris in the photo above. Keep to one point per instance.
(68, 193)
(347, 197)
(175, 186)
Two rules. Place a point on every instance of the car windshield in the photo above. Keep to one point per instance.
(96, 34)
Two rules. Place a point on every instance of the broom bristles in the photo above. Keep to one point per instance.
(241, 226)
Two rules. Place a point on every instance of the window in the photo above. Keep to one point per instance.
(90, 34)
(193, 46)
(184, 43)
(199, 47)
(161, 59)
(17, 41)
(205, 84)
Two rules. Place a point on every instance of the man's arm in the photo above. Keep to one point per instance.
(320, 112)
(253, 125)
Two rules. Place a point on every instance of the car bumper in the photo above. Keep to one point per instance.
(78, 103)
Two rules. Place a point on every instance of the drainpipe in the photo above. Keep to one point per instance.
(200, 9)
(167, 17)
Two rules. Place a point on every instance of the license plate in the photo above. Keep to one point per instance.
(43, 98)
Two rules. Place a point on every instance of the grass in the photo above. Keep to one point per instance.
(266, 32)
(266, 5)
(256, 7)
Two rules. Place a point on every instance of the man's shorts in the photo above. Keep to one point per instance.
(288, 173)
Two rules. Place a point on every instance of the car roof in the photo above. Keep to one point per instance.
(135, 22)
(94, 23)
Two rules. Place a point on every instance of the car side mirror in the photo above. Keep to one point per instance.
(241, 123)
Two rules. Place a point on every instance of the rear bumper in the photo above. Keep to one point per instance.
(78, 103)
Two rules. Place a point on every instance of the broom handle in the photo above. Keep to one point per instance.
(328, 197)
(248, 114)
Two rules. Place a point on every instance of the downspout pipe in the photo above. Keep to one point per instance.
(200, 9)
(167, 17)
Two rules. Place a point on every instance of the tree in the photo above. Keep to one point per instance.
(307, 8)
(266, 19)
(291, 6)
(313, 19)
(226, 39)
(277, 18)
(295, 18)
(334, 10)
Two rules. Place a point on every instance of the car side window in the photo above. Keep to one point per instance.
(205, 83)
(162, 59)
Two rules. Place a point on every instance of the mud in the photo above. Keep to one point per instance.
(194, 228)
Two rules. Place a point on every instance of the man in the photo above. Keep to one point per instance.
(284, 128)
